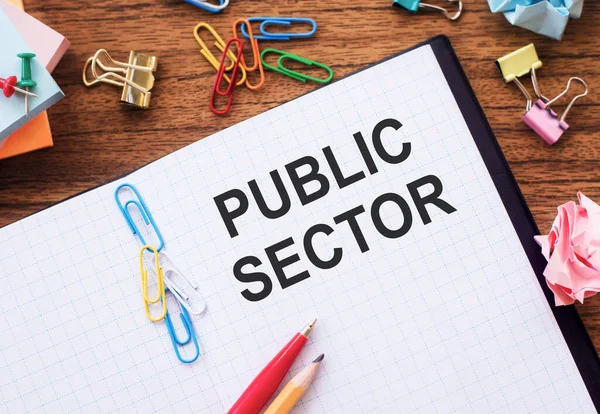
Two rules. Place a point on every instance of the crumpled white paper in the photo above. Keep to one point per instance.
(546, 17)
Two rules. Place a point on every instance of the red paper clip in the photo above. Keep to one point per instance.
(220, 73)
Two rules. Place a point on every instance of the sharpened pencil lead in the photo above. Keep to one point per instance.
(319, 358)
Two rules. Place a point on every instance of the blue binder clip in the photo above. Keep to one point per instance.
(138, 202)
(206, 5)
(189, 328)
(282, 21)
(414, 5)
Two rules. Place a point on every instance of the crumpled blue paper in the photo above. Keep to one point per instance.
(546, 17)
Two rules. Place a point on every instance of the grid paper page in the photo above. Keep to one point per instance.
(447, 318)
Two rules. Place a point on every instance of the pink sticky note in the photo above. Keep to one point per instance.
(47, 44)
(545, 122)
(17, 3)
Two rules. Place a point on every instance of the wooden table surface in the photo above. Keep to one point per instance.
(97, 139)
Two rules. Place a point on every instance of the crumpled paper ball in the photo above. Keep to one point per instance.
(546, 17)
(573, 252)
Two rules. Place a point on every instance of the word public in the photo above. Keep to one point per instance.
(234, 203)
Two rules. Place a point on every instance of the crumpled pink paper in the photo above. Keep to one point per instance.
(573, 252)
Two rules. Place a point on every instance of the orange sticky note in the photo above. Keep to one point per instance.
(32, 136)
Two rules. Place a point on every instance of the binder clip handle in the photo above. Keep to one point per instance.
(536, 85)
(563, 93)
(110, 72)
(525, 92)
(444, 10)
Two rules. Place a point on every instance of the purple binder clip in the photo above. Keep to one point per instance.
(545, 122)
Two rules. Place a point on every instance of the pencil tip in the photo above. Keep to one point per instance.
(319, 358)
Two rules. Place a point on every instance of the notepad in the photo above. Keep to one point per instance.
(13, 109)
(425, 297)
(49, 46)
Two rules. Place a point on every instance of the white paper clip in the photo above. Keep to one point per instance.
(208, 6)
(180, 286)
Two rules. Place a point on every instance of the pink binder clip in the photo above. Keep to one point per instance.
(544, 120)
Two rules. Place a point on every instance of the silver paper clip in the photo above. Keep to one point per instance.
(180, 286)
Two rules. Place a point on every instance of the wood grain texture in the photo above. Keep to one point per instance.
(97, 139)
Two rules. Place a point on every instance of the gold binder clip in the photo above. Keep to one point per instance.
(519, 63)
(137, 78)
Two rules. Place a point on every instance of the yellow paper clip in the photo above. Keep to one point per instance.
(136, 81)
(220, 44)
(160, 295)
(519, 63)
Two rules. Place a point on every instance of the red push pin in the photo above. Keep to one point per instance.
(9, 86)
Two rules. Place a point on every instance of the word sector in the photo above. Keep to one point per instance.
(313, 184)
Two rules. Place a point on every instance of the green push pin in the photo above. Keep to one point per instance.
(26, 81)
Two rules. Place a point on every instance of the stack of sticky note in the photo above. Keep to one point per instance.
(20, 133)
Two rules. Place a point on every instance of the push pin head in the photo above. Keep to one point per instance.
(26, 80)
(9, 86)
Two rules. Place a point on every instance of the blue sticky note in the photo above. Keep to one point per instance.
(546, 17)
(575, 7)
(12, 110)
(542, 18)
(506, 5)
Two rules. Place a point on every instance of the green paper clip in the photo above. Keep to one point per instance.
(291, 73)
(273, 68)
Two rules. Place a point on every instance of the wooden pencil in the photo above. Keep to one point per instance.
(295, 389)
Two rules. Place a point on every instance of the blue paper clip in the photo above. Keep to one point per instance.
(145, 213)
(283, 21)
(206, 5)
(189, 328)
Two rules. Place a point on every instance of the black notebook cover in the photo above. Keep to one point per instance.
(568, 319)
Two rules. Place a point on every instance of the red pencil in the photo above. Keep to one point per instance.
(264, 385)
